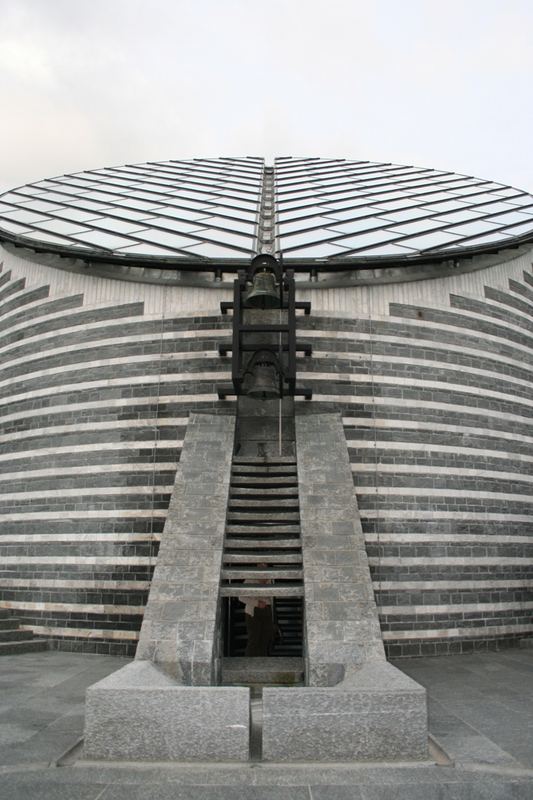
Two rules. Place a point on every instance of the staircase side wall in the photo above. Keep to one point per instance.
(342, 625)
(180, 630)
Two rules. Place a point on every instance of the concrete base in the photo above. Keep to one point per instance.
(138, 713)
(376, 713)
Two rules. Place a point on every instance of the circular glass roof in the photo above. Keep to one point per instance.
(218, 210)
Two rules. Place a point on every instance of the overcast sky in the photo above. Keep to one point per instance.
(438, 83)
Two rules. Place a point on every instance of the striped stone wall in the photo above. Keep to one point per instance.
(437, 407)
(435, 391)
(93, 408)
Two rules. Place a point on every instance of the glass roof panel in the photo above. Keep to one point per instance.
(209, 208)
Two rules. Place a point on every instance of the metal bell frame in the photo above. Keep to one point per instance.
(287, 349)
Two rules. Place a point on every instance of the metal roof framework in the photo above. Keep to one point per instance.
(328, 213)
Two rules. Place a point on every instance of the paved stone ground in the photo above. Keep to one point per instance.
(481, 712)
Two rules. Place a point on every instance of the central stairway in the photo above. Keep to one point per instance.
(263, 549)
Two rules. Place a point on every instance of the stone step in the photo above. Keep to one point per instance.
(252, 516)
(272, 461)
(269, 503)
(272, 481)
(261, 543)
(234, 590)
(262, 671)
(23, 646)
(266, 493)
(266, 558)
(260, 574)
(13, 635)
(252, 529)
(265, 470)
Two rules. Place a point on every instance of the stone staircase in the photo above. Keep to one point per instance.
(263, 528)
(13, 639)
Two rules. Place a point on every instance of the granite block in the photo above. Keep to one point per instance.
(374, 714)
(140, 714)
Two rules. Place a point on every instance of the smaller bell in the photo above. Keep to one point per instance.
(263, 293)
(264, 378)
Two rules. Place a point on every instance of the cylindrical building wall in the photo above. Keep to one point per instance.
(433, 379)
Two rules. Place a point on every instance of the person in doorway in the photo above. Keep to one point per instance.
(258, 614)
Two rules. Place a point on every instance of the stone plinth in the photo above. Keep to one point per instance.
(140, 714)
(378, 713)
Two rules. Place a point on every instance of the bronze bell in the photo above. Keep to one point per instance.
(264, 378)
(263, 293)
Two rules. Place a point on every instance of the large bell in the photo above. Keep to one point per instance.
(263, 293)
(264, 380)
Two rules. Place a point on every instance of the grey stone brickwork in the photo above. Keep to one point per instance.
(436, 402)
(355, 705)
(342, 626)
(180, 631)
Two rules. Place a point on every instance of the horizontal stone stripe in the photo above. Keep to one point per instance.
(90, 448)
(75, 608)
(96, 356)
(401, 339)
(417, 514)
(437, 434)
(88, 318)
(91, 469)
(412, 382)
(60, 583)
(76, 538)
(125, 332)
(154, 379)
(416, 329)
(80, 427)
(347, 401)
(496, 304)
(102, 363)
(426, 447)
(426, 364)
(57, 311)
(449, 561)
(95, 561)
(91, 491)
(482, 323)
(54, 404)
(23, 298)
(110, 404)
(86, 514)
(461, 538)
(426, 470)
(449, 585)
(122, 337)
(43, 311)
(497, 298)
(455, 608)
(81, 633)
(13, 287)
(463, 632)
(521, 289)
(397, 405)
(422, 491)
(493, 368)
(496, 307)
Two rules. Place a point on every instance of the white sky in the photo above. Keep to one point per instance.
(446, 84)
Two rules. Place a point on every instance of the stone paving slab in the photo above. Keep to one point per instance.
(26, 774)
